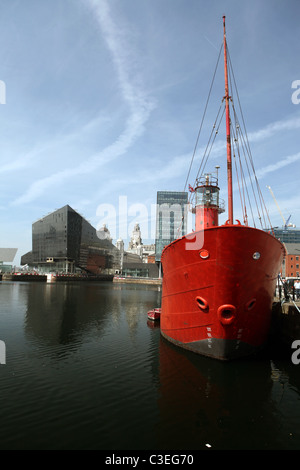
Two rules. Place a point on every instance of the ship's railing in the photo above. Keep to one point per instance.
(221, 206)
(206, 180)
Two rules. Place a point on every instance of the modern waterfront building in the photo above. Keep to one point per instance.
(63, 241)
(7, 255)
(140, 269)
(171, 219)
(287, 235)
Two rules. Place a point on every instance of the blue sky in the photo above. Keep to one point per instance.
(105, 98)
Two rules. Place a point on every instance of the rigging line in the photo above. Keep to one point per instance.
(205, 109)
(259, 203)
(234, 146)
(247, 146)
(251, 184)
(239, 103)
(243, 181)
(245, 189)
(247, 151)
(238, 180)
(244, 197)
(214, 132)
(238, 129)
(267, 215)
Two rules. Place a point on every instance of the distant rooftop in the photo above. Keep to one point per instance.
(7, 254)
(66, 207)
(292, 248)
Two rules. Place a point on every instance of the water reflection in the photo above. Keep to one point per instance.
(59, 313)
(87, 370)
(222, 405)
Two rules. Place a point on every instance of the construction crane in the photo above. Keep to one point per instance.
(286, 224)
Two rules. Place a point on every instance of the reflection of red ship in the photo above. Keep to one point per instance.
(198, 403)
(219, 281)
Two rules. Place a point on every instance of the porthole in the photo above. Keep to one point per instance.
(226, 314)
(202, 303)
(256, 255)
(250, 305)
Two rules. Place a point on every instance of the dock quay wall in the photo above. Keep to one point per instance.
(135, 280)
(65, 277)
(285, 325)
(75, 277)
(23, 277)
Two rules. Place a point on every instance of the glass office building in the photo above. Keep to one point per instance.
(171, 218)
(64, 241)
(287, 235)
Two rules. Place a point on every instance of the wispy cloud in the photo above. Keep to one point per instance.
(118, 39)
(291, 123)
(134, 128)
(140, 105)
(178, 165)
(288, 160)
(219, 148)
(273, 128)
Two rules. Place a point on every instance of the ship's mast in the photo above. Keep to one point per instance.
(229, 165)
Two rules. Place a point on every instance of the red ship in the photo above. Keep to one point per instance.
(219, 282)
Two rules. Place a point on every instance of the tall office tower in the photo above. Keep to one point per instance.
(171, 218)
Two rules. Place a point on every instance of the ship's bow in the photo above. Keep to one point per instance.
(218, 288)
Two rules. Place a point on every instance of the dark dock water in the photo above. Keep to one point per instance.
(85, 370)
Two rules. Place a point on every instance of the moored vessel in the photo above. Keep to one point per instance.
(219, 281)
(154, 314)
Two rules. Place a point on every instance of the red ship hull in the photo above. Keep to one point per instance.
(217, 298)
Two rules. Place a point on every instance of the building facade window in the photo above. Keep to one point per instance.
(171, 218)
